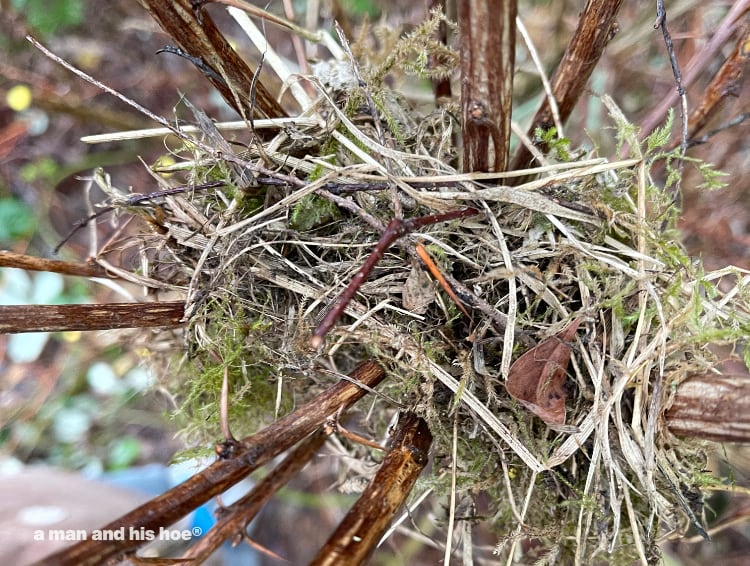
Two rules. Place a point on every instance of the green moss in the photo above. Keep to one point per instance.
(312, 211)
(236, 347)
(660, 136)
(558, 147)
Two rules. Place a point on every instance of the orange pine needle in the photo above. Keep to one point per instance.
(425, 257)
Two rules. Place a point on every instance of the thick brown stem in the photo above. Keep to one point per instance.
(712, 407)
(727, 82)
(240, 460)
(360, 531)
(488, 36)
(15, 319)
(596, 27)
(197, 35)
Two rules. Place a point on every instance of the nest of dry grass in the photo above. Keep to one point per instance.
(273, 224)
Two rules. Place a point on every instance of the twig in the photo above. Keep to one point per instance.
(136, 200)
(699, 62)
(235, 518)
(23, 261)
(274, 60)
(595, 29)
(195, 32)
(727, 82)
(661, 22)
(395, 230)
(736, 121)
(425, 257)
(105, 88)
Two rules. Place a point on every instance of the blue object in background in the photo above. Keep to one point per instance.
(155, 479)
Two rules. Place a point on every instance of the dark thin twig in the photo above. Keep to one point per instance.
(685, 507)
(736, 121)
(396, 229)
(159, 120)
(354, 208)
(136, 200)
(700, 61)
(661, 22)
(197, 61)
(105, 88)
(194, 30)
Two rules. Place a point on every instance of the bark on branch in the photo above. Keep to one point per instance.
(359, 533)
(712, 407)
(488, 36)
(595, 29)
(197, 35)
(23, 261)
(15, 319)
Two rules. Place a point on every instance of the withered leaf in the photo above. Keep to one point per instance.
(418, 291)
(537, 378)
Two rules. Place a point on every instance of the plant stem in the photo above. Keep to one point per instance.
(596, 27)
(488, 36)
(15, 319)
(358, 534)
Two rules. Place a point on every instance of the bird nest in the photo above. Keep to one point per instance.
(539, 327)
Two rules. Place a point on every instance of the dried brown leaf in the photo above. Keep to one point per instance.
(418, 292)
(537, 378)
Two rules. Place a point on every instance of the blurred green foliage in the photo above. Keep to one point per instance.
(49, 17)
(361, 7)
(17, 220)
